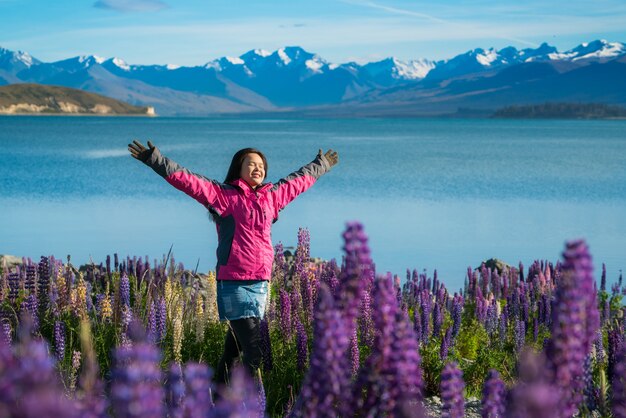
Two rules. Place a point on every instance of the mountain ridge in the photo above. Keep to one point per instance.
(293, 79)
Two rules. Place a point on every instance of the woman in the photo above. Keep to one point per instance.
(244, 209)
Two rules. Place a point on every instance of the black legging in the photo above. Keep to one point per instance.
(243, 336)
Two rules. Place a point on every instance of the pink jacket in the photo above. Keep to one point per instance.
(244, 215)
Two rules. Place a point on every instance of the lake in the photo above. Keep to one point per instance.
(439, 194)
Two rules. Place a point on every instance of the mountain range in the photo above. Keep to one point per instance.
(293, 80)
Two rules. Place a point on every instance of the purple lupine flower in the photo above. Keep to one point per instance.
(355, 359)
(6, 333)
(493, 402)
(262, 399)
(301, 344)
(306, 287)
(417, 325)
(426, 304)
(457, 312)
(532, 395)
(524, 303)
(59, 340)
(519, 333)
(407, 385)
(303, 251)
(239, 399)
(175, 390)
(285, 314)
(502, 323)
(161, 320)
(603, 279)
(387, 378)
(30, 282)
(326, 381)
(365, 320)
(599, 347)
(125, 291)
(266, 346)
(574, 325)
(618, 386)
(197, 389)
(446, 341)
(437, 318)
(615, 343)
(589, 390)
(136, 389)
(30, 384)
(14, 286)
(30, 305)
(452, 386)
(606, 312)
(108, 265)
(358, 269)
(491, 319)
(152, 324)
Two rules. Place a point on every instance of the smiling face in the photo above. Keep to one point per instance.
(253, 170)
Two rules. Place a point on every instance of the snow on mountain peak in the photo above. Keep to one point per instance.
(87, 60)
(486, 57)
(234, 60)
(600, 49)
(172, 66)
(283, 56)
(121, 64)
(314, 65)
(262, 52)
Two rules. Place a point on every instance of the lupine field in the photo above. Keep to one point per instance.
(135, 337)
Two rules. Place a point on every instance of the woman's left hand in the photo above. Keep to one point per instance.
(331, 156)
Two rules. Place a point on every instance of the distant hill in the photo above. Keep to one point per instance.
(40, 99)
(562, 111)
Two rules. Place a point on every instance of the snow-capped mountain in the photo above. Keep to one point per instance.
(12, 63)
(391, 71)
(292, 77)
(596, 50)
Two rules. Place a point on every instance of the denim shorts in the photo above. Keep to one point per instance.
(237, 299)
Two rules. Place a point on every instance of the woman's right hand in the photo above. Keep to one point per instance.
(138, 151)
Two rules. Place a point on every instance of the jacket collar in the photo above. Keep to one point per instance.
(246, 189)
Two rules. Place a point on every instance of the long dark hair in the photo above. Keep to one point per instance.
(234, 171)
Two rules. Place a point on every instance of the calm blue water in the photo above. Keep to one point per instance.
(433, 194)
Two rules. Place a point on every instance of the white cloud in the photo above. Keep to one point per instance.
(131, 5)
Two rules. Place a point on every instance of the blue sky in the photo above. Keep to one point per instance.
(193, 32)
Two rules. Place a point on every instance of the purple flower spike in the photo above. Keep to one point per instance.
(285, 313)
(136, 389)
(175, 391)
(327, 379)
(452, 386)
(266, 346)
(301, 344)
(575, 321)
(532, 396)
(618, 386)
(125, 291)
(240, 399)
(59, 340)
(355, 358)
(197, 390)
(589, 388)
(358, 269)
(520, 334)
(445, 344)
(457, 312)
(493, 402)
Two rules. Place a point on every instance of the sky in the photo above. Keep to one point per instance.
(194, 32)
